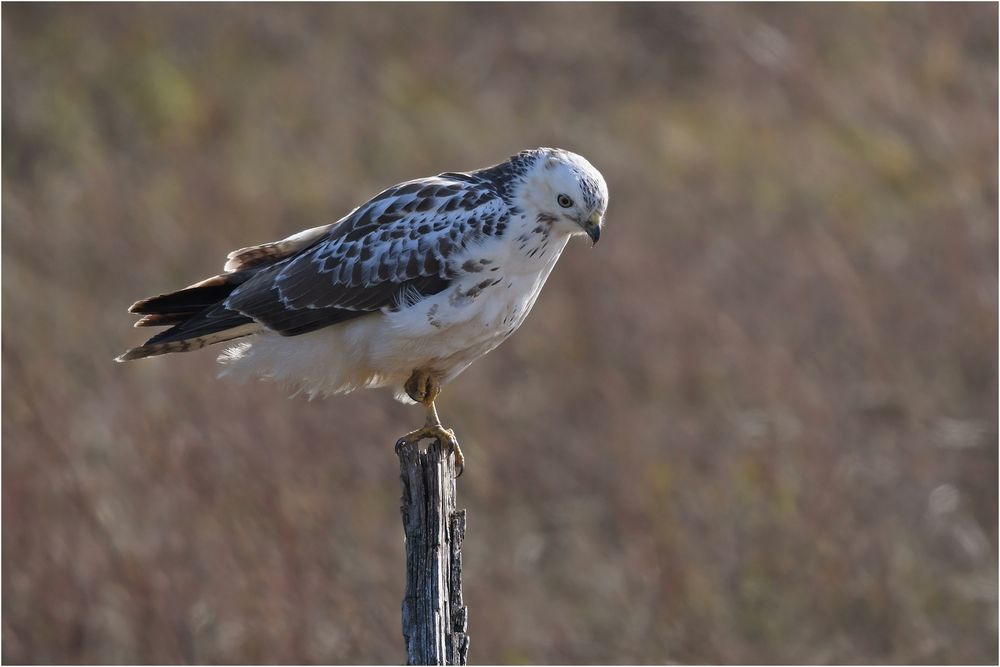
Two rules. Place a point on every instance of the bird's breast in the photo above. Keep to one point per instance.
(483, 306)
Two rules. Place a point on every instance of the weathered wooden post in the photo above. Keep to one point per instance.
(435, 619)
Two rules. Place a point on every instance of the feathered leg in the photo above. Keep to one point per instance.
(424, 387)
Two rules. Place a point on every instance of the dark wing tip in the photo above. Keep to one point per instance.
(161, 320)
(138, 305)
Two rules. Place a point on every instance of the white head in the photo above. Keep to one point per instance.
(566, 190)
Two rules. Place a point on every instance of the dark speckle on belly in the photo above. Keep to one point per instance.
(431, 319)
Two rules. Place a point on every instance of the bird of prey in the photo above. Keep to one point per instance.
(405, 291)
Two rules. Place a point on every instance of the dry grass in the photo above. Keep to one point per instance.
(756, 424)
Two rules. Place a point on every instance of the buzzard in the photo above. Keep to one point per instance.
(405, 291)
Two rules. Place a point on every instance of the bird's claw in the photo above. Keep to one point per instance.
(443, 435)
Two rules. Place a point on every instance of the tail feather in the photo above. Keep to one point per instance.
(266, 254)
(195, 315)
(194, 298)
(152, 349)
(211, 320)
(161, 320)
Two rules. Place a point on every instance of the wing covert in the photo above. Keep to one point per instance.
(400, 242)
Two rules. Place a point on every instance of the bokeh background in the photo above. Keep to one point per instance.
(757, 423)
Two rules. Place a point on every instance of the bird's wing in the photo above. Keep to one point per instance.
(394, 249)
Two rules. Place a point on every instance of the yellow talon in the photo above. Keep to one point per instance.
(445, 436)
(424, 387)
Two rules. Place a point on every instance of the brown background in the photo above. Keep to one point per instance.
(756, 423)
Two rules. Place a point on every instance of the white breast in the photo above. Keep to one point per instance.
(450, 330)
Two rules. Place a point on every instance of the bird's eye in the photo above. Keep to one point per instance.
(564, 201)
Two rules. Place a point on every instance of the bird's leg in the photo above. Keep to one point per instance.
(447, 436)
(424, 387)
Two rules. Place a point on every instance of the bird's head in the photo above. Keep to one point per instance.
(569, 193)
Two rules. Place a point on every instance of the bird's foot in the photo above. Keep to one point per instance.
(443, 435)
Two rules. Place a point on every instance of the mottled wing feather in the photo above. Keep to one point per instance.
(400, 242)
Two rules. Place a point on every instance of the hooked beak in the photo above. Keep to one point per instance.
(593, 227)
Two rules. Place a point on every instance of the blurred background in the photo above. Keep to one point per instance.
(757, 423)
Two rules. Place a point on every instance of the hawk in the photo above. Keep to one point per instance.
(405, 291)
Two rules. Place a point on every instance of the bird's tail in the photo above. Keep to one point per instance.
(196, 316)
